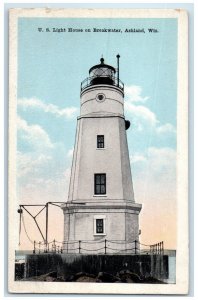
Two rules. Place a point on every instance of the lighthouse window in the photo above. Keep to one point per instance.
(100, 97)
(100, 184)
(99, 226)
(100, 141)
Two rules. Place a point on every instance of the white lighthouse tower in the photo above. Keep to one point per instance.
(101, 204)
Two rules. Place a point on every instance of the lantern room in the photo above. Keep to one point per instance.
(103, 74)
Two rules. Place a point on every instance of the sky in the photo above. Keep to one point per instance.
(51, 66)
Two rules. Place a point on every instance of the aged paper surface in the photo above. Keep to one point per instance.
(51, 51)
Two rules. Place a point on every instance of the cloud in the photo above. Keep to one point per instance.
(137, 158)
(39, 189)
(70, 153)
(162, 160)
(155, 164)
(38, 165)
(154, 180)
(166, 128)
(133, 93)
(143, 117)
(34, 134)
(141, 113)
(157, 157)
(34, 103)
(27, 163)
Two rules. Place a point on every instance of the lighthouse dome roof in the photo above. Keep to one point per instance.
(102, 65)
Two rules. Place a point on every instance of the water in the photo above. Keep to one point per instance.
(172, 270)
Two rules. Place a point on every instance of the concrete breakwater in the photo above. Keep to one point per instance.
(102, 268)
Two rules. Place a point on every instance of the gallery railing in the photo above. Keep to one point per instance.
(99, 247)
(89, 82)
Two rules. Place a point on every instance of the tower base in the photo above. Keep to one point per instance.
(119, 232)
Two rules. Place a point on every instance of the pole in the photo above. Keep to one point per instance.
(46, 228)
(118, 70)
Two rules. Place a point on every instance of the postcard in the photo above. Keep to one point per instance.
(98, 151)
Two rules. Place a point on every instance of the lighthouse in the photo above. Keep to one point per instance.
(101, 204)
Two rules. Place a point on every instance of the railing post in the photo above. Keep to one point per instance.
(54, 246)
(135, 247)
(79, 246)
(34, 251)
(105, 246)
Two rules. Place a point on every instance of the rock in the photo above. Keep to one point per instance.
(128, 276)
(82, 274)
(52, 274)
(86, 279)
(50, 279)
(70, 278)
(106, 277)
(60, 279)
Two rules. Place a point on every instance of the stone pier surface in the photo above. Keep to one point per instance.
(97, 268)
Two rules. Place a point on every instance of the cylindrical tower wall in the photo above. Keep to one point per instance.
(102, 98)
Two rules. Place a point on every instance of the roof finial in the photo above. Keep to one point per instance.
(102, 60)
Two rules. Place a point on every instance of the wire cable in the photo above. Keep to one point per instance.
(26, 230)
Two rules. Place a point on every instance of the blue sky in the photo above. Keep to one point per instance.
(51, 67)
